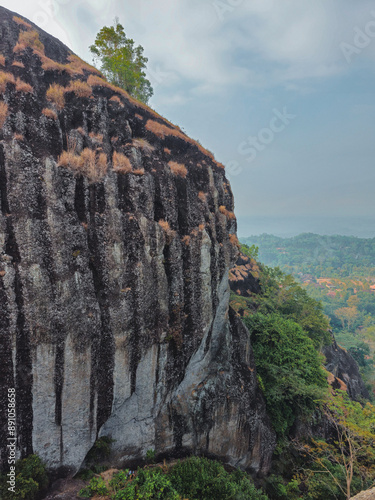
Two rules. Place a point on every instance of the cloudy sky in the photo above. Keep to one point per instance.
(282, 91)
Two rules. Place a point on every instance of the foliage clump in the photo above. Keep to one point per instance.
(194, 478)
(121, 61)
(31, 478)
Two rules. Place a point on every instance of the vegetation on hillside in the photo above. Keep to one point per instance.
(121, 61)
(338, 271)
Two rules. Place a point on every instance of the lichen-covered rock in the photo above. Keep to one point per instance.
(117, 235)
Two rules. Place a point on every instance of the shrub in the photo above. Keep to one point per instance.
(3, 113)
(18, 64)
(121, 163)
(31, 477)
(288, 368)
(148, 484)
(29, 39)
(55, 94)
(21, 22)
(81, 89)
(5, 78)
(96, 486)
(2, 60)
(178, 168)
(49, 113)
(204, 479)
(22, 86)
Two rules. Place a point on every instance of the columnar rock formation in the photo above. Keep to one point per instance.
(117, 234)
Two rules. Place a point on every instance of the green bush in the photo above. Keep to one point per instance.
(96, 486)
(203, 479)
(288, 366)
(31, 477)
(147, 484)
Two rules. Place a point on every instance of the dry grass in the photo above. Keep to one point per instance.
(178, 168)
(55, 94)
(3, 113)
(49, 113)
(18, 137)
(22, 86)
(2, 60)
(96, 137)
(138, 116)
(161, 130)
(21, 22)
(202, 196)
(78, 66)
(234, 240)
(201, 227)
(167, 150)
(5, 78)
(144, 145)
(96, 81)
(115, 98)
(121, 163)
(81, 89)
(89, 163)
(170, 234)
(29, 39)
(186, 240)
(18, 64)
(227, 213)
(139, 171)
(81, 131)
(51, 65)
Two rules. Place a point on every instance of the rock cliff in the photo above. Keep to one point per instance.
(117, 234)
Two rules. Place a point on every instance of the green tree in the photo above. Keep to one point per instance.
(121, 61)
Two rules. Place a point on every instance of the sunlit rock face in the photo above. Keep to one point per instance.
(114, 316)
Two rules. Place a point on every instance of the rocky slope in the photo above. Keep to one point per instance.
(117, 234)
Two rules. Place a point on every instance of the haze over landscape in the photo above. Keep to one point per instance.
(281, 92)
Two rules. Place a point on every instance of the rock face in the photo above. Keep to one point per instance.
(345, 369)
(117, 235)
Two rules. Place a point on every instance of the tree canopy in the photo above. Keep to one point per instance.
(121, 62)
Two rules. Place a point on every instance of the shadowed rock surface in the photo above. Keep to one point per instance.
(114, 316)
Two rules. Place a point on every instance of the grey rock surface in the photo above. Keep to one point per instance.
(114, 316)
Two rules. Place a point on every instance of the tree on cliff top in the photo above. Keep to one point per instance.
(122, 63)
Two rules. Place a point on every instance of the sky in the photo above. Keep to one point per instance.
(281, 91)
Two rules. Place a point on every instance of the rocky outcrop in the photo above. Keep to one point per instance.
(345, 371)
(365, 495)
(117, 235)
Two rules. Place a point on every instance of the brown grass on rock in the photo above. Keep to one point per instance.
(227, 213)
(121, 163)
(3, 113)
(56, 94)
(18, 64)
(202, 196)
(144, 145)
(89, 163)
(18, 137)
(22, 86)
(96, 137)
(167, 150)
(234, 240)
(115, 98)
(49, 113)
(5, 78)
(178, 168)
(29, 39)
(139, 171)
(81, 89)
(140, 117)
(21, 22)
(2, 60)
(77, 66)
(170, 234)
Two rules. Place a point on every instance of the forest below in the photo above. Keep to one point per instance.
(338, 271)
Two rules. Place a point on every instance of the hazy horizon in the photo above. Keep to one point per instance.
(288, 226)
